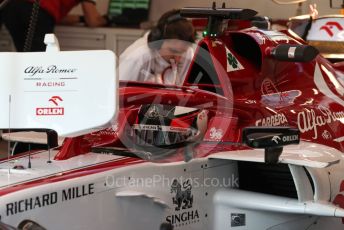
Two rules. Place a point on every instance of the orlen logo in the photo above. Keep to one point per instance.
(55, 100)
(329, 27)
(51, 111)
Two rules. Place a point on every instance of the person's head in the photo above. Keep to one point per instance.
(172, 36)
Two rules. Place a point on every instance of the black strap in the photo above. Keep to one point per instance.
(32, 26)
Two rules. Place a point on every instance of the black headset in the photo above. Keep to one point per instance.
(158, 32)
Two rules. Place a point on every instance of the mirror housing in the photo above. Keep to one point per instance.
(294, 53)
(272, 139)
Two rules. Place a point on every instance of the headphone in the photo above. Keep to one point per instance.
(158, 32)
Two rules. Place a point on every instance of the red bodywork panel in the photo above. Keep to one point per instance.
(243, 85)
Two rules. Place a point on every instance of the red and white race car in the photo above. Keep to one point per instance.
(253, 139)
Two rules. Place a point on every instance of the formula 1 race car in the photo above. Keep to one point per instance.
(253, 139)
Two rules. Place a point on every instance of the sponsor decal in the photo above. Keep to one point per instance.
(275, 120)
(238, 219)
(52, 69)
(276, 139)
(281, 99)
(272, 97)
(232, 62)
(162, 128)
(326, 135)
(55, 100)
(309, 120)
(183, 201)
(51, 76)
(290, 138)
(330, 26)
(216, 134)
(178, 129)
(51, 111)
(284, 139)
(260, 38)
(48, 199)
(147, 127)
(50, 84)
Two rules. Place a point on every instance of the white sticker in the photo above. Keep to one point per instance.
(233, 63)
(72, 92)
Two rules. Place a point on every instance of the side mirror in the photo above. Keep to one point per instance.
(272, 139)
(294, 53)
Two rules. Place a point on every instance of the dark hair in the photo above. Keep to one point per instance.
(171, 26)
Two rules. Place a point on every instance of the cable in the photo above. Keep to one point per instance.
(32, 26)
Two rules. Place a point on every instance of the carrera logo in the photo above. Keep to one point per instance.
(49, 111)
(275, 120)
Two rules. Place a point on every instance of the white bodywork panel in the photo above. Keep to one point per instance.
(327, 29)
(58, 90)
(140, 196)
(132, 197)
(41, 169)
(304, 154)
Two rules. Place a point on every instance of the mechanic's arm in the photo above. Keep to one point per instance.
(91, 14)
(91, 17)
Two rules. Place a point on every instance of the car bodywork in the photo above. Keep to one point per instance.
(210, 178)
